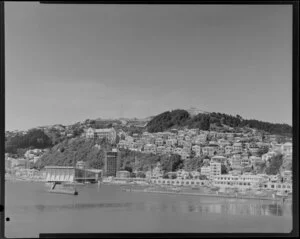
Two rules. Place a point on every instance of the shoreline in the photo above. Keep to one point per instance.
(164, 191)
(209, 195)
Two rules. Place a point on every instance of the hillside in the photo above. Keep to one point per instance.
(35, 138)
(86, 150)
(63, 153)
(182, 118)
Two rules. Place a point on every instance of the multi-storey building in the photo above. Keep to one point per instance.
(245, 161)
(159, 142)
(237, 147)
(109, 134)
(235, 161)
(209, 150)
(171, 142)
(205, 170)
(237, 181)
(219, 159)
(215, 169)
(111, 163)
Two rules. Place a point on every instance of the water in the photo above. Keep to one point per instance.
(32, 210)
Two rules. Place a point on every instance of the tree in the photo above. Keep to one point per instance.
(262, 150)
(128, 168)
(77, 132)
(21, 152)
(171, 163)
(141, 175)
(224, 169)
(275, 164)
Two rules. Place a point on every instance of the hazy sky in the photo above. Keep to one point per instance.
(68, 63)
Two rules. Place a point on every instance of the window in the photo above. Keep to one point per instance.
(272, 186)
(192, 182)
(187, 182)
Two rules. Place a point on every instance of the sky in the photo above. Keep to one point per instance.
(68, 63)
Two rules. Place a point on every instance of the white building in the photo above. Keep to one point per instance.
(237, 181)
(287, 148)
(109, 134)
(237, 147)
(205, 170)
(215, 169)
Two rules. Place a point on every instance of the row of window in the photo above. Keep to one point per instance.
(278, 186)
(179, 182)
(244, 179)
(234, 183)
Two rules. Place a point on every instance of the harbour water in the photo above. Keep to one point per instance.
(108, 209)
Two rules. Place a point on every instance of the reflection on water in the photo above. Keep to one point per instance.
(233, 208)
(34, 198)
(77, 206)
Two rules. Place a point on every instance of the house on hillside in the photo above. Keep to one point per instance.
(110, 134)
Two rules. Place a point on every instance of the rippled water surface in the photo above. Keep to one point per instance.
(32, 210)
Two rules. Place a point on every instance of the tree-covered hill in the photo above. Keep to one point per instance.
(80, 149)
(181, 118)
(35, 138)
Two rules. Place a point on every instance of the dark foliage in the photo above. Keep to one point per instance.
(180, 118)
(275, 164)
(33, 139)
